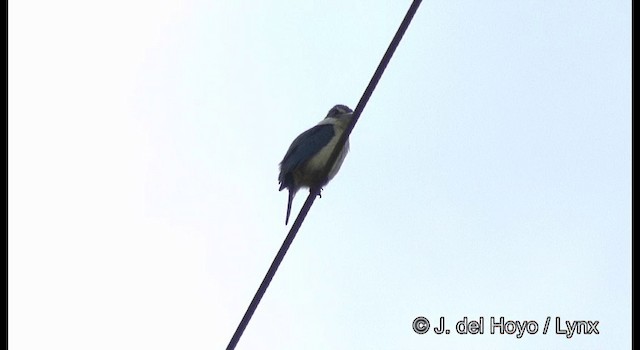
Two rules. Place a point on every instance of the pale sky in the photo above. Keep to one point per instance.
(489, 175)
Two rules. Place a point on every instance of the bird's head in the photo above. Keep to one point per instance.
(338, 110)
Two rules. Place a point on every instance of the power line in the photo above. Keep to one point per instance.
(314, 192)
(272, 269)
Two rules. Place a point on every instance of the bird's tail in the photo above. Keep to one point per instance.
(291, 195)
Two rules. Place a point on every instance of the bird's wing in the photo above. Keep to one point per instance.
(304, 147)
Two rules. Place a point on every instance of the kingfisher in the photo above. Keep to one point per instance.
(306, 159)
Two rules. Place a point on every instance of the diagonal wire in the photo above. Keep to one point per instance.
(314, 192)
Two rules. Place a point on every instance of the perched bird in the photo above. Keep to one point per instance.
(305, 162)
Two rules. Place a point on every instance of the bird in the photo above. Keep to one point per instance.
(306, 159)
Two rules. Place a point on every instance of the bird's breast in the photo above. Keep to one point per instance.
(311, 173)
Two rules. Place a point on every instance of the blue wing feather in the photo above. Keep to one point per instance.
(302, 149)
